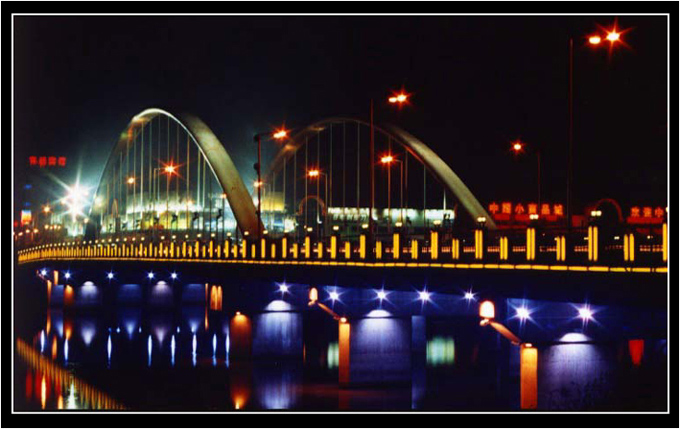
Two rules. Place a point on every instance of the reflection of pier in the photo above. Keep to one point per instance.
(379, 337)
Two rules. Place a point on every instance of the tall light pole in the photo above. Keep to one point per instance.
(277, 135)
(388, 160)
(518, 147)
(170, 170)
(613, 36)
(314, 174)
(131, 182)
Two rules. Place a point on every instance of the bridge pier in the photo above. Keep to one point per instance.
(375, 350)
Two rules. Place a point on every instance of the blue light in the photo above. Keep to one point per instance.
(43, 272)
(334, 296)
(382, 294)
(523, 313)
(173, 276)
(109, 275)
(585, 313)
(424, 295)
(67, 275)
(283, 288)
(469, 295)
(150, 275)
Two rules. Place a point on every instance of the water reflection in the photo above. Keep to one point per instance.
(285, 357)
(441, 351)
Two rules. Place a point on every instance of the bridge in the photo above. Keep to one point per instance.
(171, 197)
(207, 214)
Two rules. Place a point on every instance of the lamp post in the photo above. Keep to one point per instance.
(388, 160)
(518, 147)
(314, 174)
(277, 135)
(613, 36)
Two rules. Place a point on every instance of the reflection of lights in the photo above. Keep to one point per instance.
(42, 341)
(214, 344)
(43, 392)
(172, 350)
(440, 351)
(71, 403)
(66, 350)
(193, 350)
(149, 347)
(333, 355)
(109, 348)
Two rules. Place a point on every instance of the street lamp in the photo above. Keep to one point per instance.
(388, 160)
(313, 174)
(518, 148)
(613, 36)
(279, 134)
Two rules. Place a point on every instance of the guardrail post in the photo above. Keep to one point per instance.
(414, 249)
(479, 244)
(434, 245)
(531, 244)
(334, 246)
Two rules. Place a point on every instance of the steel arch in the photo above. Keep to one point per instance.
(414, 146)
(217, 158)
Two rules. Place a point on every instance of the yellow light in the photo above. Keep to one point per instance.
(280, 134)
(343, 320)
(131, 180)
(169, 169)
(257, 184)
(386, 159)
(487, 310)
(313, 173)
(401, 98)
(46, 209)
(613, 36)
(594, 40)
(392, 99)
(517, 146)
(313, 295)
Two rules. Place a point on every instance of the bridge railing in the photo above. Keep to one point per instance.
(475, 249)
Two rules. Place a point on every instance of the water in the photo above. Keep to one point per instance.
(160, 355)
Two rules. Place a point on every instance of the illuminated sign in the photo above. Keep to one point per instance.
(26, 217)
(47, 161)
(646, 215)
(521, 212)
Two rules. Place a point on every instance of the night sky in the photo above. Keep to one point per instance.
(477, 83)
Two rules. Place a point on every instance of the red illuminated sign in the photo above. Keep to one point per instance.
(46, 161)
(646, 215)
(520, 212)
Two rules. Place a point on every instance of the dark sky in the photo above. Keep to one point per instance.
(477, 83)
